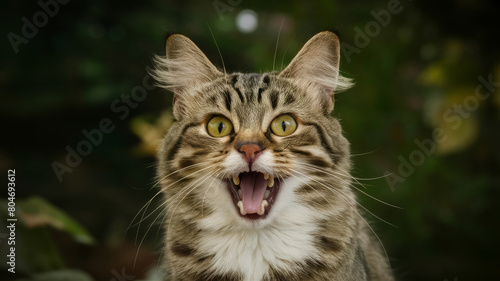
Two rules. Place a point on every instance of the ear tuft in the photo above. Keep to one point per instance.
(317, 65)
(183, 66)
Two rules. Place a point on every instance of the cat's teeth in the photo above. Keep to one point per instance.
(236, 180)
(242, 211)
(263, 206)
(266, 195)
(266, 176)
(270, 181)
(240, 193)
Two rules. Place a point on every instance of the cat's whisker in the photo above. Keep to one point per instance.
(334, 173)
(354, 178)
(339, 192)
(350, 183)
(335, 191)
(341, 196)
(152, 165)
(371, 179)
(218, 50)
(160, 258)
(177, 195)
(298, 178)
(190, 188)
(363, 179)
(187, 189)
(138, 224)
(199, 182)
(208, 189)
(145, 235)
(364, 153)
(284, 55)
(177, 171)
(277, 42)
(144, 207)
(142, 216)
(142, 219)
(172, 199)
(353, 207)
(347, 174)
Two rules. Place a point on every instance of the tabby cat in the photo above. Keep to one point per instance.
(255, 172)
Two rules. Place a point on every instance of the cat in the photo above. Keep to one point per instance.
(255, 172)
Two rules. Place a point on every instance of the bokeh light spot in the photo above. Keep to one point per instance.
(246, 21)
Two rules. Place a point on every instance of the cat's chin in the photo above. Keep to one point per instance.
(253, 194)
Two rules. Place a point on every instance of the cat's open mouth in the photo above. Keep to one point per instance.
(253, 193)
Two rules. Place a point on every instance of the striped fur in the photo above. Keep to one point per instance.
(314, 230)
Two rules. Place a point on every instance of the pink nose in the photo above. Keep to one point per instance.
(250, 151)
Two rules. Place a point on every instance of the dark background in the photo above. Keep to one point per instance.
(416, 73)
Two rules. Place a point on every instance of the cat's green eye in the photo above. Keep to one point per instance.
(219, 126)
(283, 125)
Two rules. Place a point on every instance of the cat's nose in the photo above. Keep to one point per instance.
(250, 151)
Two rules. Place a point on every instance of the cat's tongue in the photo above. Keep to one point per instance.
(253, 186)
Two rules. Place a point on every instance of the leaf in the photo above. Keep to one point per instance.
(36, 212)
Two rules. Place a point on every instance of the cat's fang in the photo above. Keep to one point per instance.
(266, 176)
(266, 194)
(270, 181)
(263, 206)
(236, 180)
(242, 210)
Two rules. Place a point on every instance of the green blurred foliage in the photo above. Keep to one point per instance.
(35, 250)
(424, 62)
(36, 212)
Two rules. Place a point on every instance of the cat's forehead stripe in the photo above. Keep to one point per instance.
(227, 99)
(274, 98)
(233, 84)
(249, 86)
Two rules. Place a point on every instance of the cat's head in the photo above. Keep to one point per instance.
(253, 149)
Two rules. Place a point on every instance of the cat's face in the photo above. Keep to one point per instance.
(251, 149)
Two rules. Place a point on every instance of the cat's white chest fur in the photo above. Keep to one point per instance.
(250, 251)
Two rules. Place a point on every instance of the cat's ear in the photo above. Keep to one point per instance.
(317, 66)
(183, 68)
